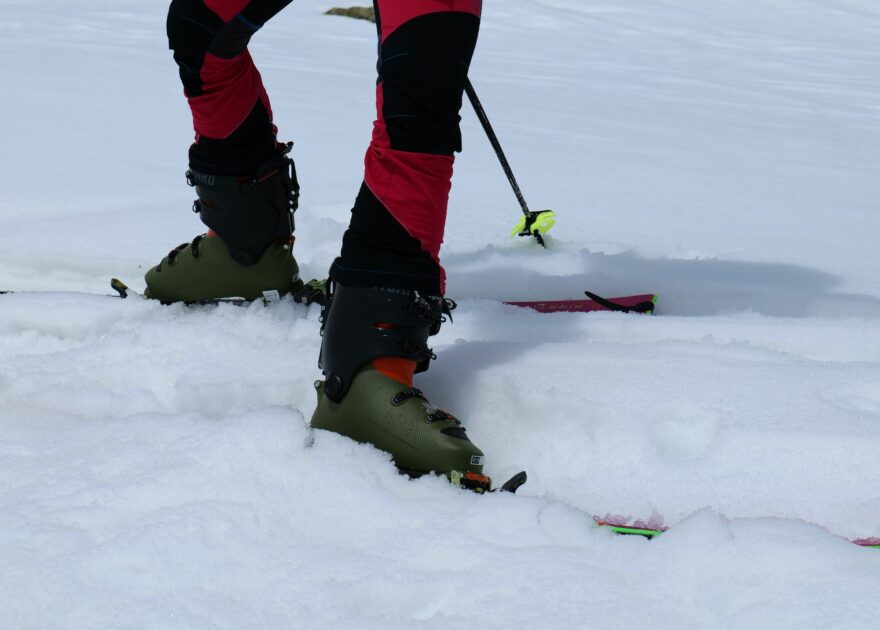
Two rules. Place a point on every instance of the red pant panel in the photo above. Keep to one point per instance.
(226, 9)
(220, 81)
(231, 114)
(413, 187)
(425, 51)
(230, 88)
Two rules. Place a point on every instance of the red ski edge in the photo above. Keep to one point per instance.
(630, 303)
(868, 542)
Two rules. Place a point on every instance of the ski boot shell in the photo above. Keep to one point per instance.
(358, 400)
(249, 253)
(204, 270)
(398, 420)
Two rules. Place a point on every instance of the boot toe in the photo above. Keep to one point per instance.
(418, 442)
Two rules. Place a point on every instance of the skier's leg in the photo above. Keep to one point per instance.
(399, 216)
(244, 180)
(387, 284)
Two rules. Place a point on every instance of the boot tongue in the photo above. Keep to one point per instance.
(401, 370)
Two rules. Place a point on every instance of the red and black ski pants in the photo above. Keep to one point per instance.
(425, 48)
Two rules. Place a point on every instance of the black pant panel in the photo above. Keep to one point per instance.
(193, 29)
(378, 252)
(241, 153)
(423, 68)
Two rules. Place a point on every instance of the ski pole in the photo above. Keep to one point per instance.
(534, 223)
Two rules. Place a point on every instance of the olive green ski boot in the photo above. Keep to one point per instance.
(204, 270)
(248, 250)
(366, 404)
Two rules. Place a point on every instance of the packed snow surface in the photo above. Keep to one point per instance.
(157, 466)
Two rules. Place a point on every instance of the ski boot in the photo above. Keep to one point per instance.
(370, 336)
(248, 251)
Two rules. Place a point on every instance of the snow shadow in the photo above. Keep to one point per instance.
(451, 377)
(454, 378)
(697, 287)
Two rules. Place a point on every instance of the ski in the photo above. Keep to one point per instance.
(123, 291)
(650, 532)
(314, 292)
(307, 295)
(643, 304)
(621, 526)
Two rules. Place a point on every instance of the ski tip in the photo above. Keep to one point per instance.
(872, 543)
(635, 529)
(514, 483)
(643, 304)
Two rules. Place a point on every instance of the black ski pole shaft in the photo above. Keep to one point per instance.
(493, 139)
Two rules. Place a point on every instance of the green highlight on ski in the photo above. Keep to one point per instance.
(631, 531)
(651, 533)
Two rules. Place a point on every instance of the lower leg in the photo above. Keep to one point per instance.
(387, 283)
(245, 183)
(399, 216)
(374, 340)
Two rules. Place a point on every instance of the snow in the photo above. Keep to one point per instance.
(158, 470)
